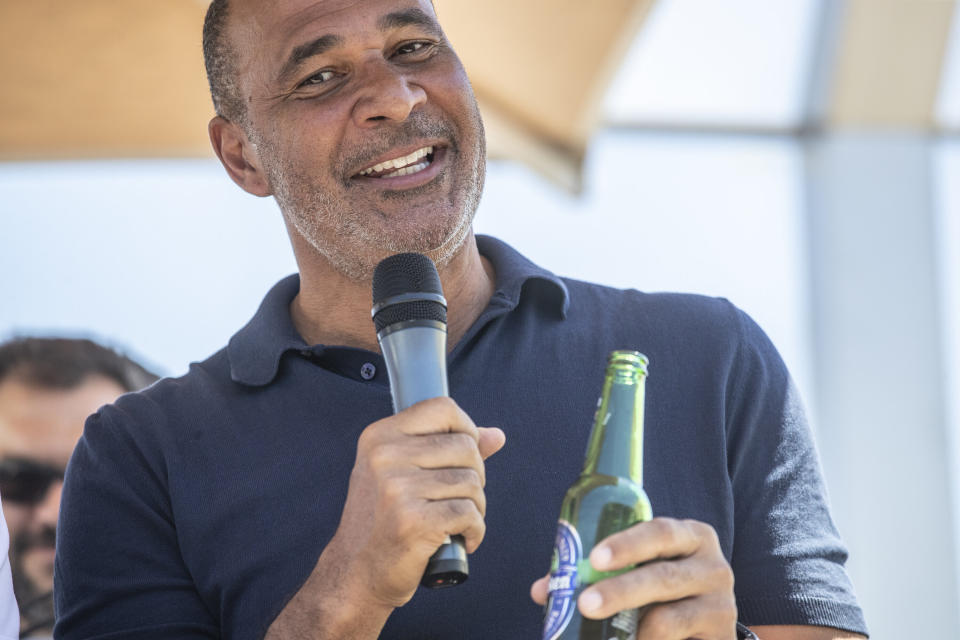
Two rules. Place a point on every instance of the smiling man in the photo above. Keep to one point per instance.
(269, 492)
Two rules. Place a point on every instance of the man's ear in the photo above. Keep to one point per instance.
(238, 156)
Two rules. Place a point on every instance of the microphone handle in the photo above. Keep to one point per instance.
(415, 353)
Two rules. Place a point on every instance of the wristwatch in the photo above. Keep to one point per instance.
(743, 633)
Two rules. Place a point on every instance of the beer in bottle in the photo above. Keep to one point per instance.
(608, 497)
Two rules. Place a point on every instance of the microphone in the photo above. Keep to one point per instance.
(410, 315)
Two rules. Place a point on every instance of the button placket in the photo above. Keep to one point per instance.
(368, 371)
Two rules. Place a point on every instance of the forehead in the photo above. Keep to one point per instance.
(45, 424)
(281, 24)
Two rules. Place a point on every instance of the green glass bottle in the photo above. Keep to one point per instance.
(607, 497)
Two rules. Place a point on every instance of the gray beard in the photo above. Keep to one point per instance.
(358, 247)
(349, 258)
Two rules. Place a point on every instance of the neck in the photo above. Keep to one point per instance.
(333, 309)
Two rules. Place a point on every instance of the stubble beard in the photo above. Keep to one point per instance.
(35, 603)
(353, 242)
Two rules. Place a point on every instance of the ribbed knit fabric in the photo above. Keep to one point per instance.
(197, 508)
(799, 610)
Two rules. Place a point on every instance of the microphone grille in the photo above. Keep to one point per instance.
(405, 273)
(413, 310)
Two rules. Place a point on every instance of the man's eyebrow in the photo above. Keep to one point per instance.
(409, 17)
(308, 50)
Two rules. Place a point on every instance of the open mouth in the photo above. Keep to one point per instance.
(409, 164)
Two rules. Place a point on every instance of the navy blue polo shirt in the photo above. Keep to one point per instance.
(198, 507)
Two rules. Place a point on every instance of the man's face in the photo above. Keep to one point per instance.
(38, 431)
(364, 123)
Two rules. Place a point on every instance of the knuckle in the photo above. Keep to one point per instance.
(729, 612)
(722, 575)
(464, 476)
(472, 478)
(449, 442)
(457, 441)
(367, 438)
(474, 534)
(722, 614)
(393, 490)
(458, 508)
(480, 501)
(408, 525)
(665, 527)
(434, 441)
(658, 622)
(669, 575)
(445, 408)
(380, 457)
(705, 532)
(462, 441)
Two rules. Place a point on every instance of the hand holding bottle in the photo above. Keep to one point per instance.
(683, 581)
(618, 574)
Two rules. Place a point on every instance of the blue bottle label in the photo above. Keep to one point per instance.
(563, 581)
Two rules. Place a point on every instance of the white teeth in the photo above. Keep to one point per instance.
(406, 170)
(401, 164)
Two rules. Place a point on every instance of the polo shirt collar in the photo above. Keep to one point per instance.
(255, 351)
(515, 272)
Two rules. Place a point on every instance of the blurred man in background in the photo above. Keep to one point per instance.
(48, 387)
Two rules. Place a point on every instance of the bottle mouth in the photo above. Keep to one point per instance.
(626, 360)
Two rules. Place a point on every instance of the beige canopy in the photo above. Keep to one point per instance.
(125, 77)
(107, 78)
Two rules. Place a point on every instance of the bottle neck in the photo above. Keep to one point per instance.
(616, 442)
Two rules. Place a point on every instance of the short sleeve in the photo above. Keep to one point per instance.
(118, 570)
(788, 558)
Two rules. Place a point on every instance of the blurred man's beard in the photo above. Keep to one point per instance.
(36, 603)
(353, 241)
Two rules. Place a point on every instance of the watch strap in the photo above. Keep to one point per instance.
(743, 633)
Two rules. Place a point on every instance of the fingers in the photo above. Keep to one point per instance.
(451, 484)
(539, 590)
(436, 415)
(708, 618)
(427, 462)
(659, 581)
(461, 517)
(660, 538)
(684, 583)
(491, 441)
(429, 452)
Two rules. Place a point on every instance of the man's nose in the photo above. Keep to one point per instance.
(48, 509)
(387, 94)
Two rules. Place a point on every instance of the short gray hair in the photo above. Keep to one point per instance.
(219, 58)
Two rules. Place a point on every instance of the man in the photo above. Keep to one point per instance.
(269, 492)
(48, 387)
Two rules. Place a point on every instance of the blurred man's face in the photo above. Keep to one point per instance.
(38, 430)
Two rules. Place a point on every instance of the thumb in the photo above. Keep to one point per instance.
(492, 440)
(538, 590)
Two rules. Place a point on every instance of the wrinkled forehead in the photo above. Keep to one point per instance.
(267, 30)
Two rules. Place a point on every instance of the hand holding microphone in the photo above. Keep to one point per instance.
(419, 474)
(410, 315)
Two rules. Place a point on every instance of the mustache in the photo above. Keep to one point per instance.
(416, 127)
(45, 538)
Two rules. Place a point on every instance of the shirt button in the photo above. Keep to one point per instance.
(367, 371)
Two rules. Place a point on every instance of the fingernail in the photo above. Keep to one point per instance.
(591, 601)
(600, 557)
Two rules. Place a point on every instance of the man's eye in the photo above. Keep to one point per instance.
(412, 48)
(318, 78)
